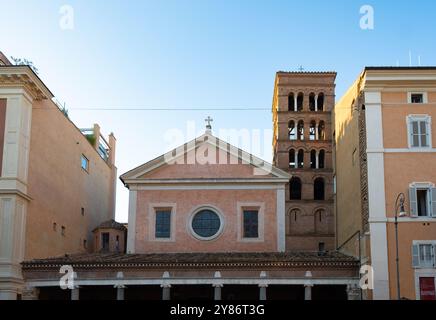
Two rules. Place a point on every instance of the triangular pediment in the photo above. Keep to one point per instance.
(206, 157)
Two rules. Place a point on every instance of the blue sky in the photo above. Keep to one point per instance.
(200, 54)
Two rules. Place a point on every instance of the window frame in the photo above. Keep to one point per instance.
(83, 157)
(246, 219)
(241, 207)
(417, 244)
(413, 200)
(158, 211)
(424, 97)
(419, 118)
(152, 209)
(199, 209)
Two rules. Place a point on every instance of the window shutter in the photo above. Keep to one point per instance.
(433, 202)
(414, 133)
(415, 255)
(434, 255)
(412, 202)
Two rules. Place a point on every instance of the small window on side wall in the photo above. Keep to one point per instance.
(84, 162)
(163, 224)
(251, 224)
(416, 98)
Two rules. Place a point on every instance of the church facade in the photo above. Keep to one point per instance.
(206, 220)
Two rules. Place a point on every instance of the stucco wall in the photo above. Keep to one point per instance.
(59, 187)
(402, 169)
(347, 169)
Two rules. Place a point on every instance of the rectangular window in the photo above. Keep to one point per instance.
(424, 254)
(251, 224)
(84, 163)
(417, 98)
(419, 131)
(422, 198)
(163, 224)
(105, 241)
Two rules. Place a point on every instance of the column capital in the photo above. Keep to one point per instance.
(165, 285)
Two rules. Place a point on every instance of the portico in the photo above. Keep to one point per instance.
(210, 276)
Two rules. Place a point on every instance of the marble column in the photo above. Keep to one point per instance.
(262, 291)
(308, 291)
(166, 291)
(120, 292)
(217, 291)
(75, 293)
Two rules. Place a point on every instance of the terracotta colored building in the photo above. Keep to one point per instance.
(384, 146)
(206, 220)
(57, 183)
(302, 144)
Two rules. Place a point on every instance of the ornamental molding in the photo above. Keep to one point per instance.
(24, 77)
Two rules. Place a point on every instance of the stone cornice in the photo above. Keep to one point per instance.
(222, 265)
(23, 76)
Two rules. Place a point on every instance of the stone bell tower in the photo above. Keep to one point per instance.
(302, 146)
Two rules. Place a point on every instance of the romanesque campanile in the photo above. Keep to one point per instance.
(302, 145)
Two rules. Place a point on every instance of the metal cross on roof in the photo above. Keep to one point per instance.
(208, 120)
(301, 68)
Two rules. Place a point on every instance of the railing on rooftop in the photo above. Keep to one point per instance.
(100, 143)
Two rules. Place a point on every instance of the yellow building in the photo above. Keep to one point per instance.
(384, 153)
(57, 182)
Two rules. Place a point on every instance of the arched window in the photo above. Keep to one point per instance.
(292, 131)
(321, 159)
(312, 130)
(320, 102)
(321, 130)
(312, 102)
(313, 159)
(318, 189)
(300, 158)
(292, 163)
(291, 102)
(300, 130)
(300, 99)
(295, 189)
